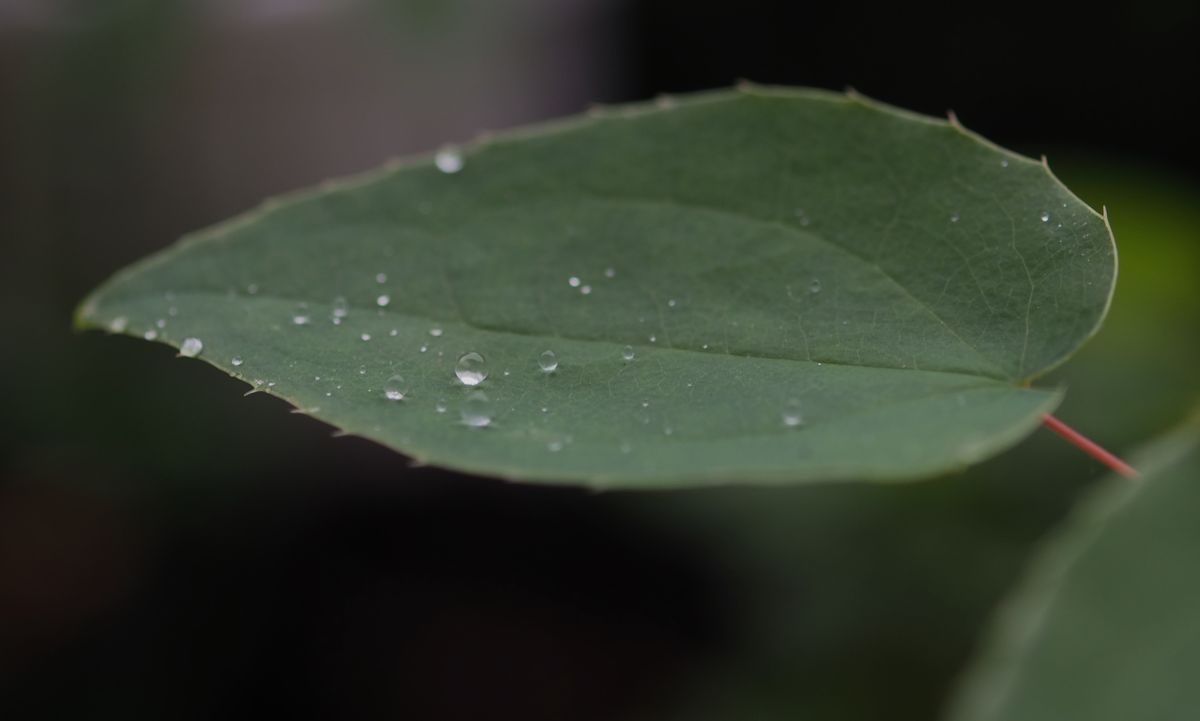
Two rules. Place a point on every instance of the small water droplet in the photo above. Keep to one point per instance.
(362, 370)
(435, 331)
(815, 286)
(271, 384)
(574, 281)
(423, 348)
(1045, 216)
(476, 412)
(172, 311)
(672, 303)
(300, 316)
(1003, 163)
(252, 289)
(791, 415)
(626, 447)
(668, 430)
(393, 332)
(554, 446)
(704, 347)
(381, 278)
(236, 360)
(118, 324)
(440, 406)
(150, 334)
(191, 347)
(954, 217)
(586, 290)
(610, 272)
(627, 353)
(653, 339)
(395, 388)
(365, 337)
(161, 323)
(382, 301)
(548, 361)
(471, 369)
(448, 159)
(341, 308)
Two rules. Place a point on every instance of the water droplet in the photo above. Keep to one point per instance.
(470, 369)
(668, 430)
(252, 289)
(653, 339)
(341, 308)
(381, 278)
(1003, 163)
(191, 347)
(548, 361)
(448, 160)
(672, 303)
(440, 406)
(1045, 216)
(172, 311)
(476, 413)
(645, 404)
(301, 316)
(423, 348)
(554, 446)
(362, 370)
(586, 290)
(118, 324)
(954, 217)
(626, 446)
(236, 360)
(815, 286)
(395, 388)
(627, 352)
(435, 331)
(150, 334)
(574, 281)
(704, 347)
(161, 323)
(610, 272)
(382, 301)
(791, 415)
(365, 337)
(393, 332)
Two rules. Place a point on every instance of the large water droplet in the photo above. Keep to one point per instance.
(476, 411)
(448, 160)
(791, 414)
(191, 347)
(471, 369)
(236, 360)
(627, 353)
(395, 388)
(548, 361)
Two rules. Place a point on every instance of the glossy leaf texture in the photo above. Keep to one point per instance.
(1107, 622)
(760, 285)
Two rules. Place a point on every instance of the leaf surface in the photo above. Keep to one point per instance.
(812, 287)
(1107, 622)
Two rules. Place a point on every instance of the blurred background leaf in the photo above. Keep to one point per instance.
(169, 548)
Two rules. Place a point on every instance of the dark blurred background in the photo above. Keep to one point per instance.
(170, 549)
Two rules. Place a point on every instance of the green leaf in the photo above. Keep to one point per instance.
(1107, 622)
(814, 287)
